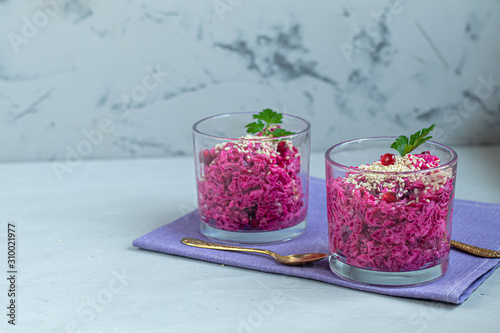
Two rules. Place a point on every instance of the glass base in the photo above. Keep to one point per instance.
(387, 279)
(253, 237)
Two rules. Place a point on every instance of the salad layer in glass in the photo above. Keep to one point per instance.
(392, 217)
(251, 184)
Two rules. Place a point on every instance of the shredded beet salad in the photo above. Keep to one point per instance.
(392, 222)
(251, 184)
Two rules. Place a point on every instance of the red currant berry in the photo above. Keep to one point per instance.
(389, 197)
(206, 157)
(388, 159)
(281, 147)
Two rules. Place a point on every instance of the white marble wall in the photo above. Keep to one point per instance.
(128, 78)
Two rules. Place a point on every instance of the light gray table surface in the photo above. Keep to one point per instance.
(78, 270)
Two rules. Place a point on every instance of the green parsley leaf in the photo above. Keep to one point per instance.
(281, 132)
(400, 144)
(404, 145)
(269, 117)
(255, 127)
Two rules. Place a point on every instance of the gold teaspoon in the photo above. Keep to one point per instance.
(291, 260)
(305, 258)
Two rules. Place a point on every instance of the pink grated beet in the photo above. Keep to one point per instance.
(251, 185)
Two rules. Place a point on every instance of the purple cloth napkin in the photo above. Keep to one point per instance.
(474, 223)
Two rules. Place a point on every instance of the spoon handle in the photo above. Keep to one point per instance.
(214, 246)
(478, 251)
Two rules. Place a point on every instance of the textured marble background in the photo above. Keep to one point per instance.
(93, 79)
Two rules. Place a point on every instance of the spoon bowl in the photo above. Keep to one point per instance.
(299, 259)
(290, 260)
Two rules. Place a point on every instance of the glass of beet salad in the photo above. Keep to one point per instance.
(252, 173)
(390, 212)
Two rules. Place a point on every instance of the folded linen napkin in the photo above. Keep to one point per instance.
(474, 223)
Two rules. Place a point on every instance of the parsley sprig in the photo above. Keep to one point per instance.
(404, 145)
(265, 119)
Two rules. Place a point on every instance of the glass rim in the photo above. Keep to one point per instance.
(351, 168)
(223, 115)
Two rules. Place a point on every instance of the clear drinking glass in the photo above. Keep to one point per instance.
(388, 228)
(251, 190)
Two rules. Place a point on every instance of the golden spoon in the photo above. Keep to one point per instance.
(291, 260)
(478, 251)
(304, 258)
